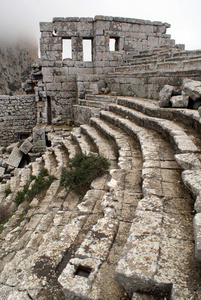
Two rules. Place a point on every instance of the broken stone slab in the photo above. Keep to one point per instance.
(180, 101)
(26, 146)
(15, 157)
(165, 95)
(2, 171)
(192, 88)
(78, 277)
(192, 180)
(188, 161)
(197, 235)
(9, 149)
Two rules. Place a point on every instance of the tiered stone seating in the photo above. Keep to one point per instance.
(145, 73)
(163, 222)
(131, 236)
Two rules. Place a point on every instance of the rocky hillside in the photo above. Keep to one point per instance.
(15, 65)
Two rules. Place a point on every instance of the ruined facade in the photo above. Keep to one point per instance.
(133, 66)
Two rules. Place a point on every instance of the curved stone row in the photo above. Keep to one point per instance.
(96, 253)
(149, 240)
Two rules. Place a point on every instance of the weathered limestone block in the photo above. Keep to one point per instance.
(2, 170)
(197, 204)
(197, 234)
(192, 180)
(26, 146)
(188, 161)
(165, 95)
(39, 141)
(15, 157)
(192, 88)
(75, 285)
(138, 264)
(11, 146)
(179, 101)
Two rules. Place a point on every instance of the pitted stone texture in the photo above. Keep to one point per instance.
(15, 157)
(165, 95)
(192, 88)
(26, 146)
(188, 160)
(179, 101)
(98, 241)
(75, 285)
(192, 180)
(2, 171)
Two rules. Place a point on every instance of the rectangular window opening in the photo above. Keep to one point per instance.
(66, 48)
(114, 44)
(87, 49)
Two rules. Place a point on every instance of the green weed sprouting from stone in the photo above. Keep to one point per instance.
(81, 171)
(7, 192)
(39, 186)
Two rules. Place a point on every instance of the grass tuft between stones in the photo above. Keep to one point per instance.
(39, 186)
(81, 171)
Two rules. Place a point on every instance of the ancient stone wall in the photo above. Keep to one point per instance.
(59, 72)
(129, 34)
(17, 117)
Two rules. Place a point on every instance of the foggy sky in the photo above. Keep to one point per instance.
(19, 18)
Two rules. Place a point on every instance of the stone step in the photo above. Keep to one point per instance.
(165, 56)
(71, 147)
(50, 162)
(59, 227)
(100, 98)
(120, 138)
(96, 253)
(149, 235)
(173, 65)
(85, 144)
(95, 104)
(182, 141)
(189, 117)
(104, 146)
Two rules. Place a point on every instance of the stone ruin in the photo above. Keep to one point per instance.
(135, 100)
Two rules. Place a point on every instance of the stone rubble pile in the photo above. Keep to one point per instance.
(188, 97)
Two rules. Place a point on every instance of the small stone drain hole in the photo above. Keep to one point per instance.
(83, 271)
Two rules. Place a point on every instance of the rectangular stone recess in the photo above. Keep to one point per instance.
(83, 271)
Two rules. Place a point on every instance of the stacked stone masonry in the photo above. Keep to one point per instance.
(17, 117)
(136, 233)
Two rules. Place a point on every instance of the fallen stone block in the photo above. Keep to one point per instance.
(2, 171)
(15, 157)
(9, 149)
(192, 88)
(179, 101)
(26, 146)
(165, 95)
